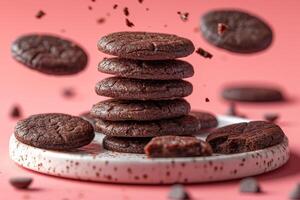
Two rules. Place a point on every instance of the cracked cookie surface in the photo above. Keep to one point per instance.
(49, 54)
(134, 89)
(54, 131)
(243, 137)
(145, 45)
(121, 110)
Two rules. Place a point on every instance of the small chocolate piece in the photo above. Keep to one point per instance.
(122, 110)
(125, 145)
(222, 28)
(206, 119)
(271, 117)
(49, 54)
(204, 53)
(135, 89)
(295, 193)
(140, 1)
(186, 125)
(244, 137)
(101, 20)
(177, 146)
(129, 23)
(15, 112)
(178, 192)
(90, 7)
(138, 69)
(54, 131)
(183, 15)
(115, 6)
(249, 185)
(126, 11)
(68, 92)
(145, 45)
(207, 99)
(252, 93)
(21, 182)
(40, 14)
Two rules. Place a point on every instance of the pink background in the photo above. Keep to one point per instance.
(37, 93)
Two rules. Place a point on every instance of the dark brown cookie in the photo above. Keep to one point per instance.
(245, 33)
(252, 93)
(121, 110)
(177, 146)
(54, 131)
(145, 46)
(134, 89)
(206, 119)
(157, 70)
(125, 145)
(49, 54)
(186, 125)
(243, 137)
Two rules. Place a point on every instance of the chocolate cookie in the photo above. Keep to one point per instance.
(125, 145)
(54, 131)
(120, 110)
(252, 93)
(186, 125)
(49, 54)
(134, 89)
(207, 120)
(177, 146)
(145, 46)
(242, 32)
(243, 137)
(157, 70)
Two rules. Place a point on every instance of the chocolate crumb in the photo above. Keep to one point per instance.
(129, 23)
(40, 14)
(222, 28)
(90, 7)
(101, 20)
(126, 11)
(183, 16)
(140, 1)
(68, 92)
(15, 112)
(21, 182)
(204, 53)
(147, 9)
(271, 117)
(115, 6)
(93, 0)
(207, 99)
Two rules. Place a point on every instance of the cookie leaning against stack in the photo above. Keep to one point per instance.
(147, 89)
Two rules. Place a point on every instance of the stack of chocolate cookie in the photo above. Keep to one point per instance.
(147, 90)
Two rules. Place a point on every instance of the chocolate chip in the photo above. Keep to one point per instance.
(178, 192)
(183, 16)
(101, 20)
(249, 185)
(40, 14)
(68, 92)
(15, 112)
(207, 99)
(204, 53)
(93, 0)
(222, 28)
(147, 9)
(140, 1)
(115, 6)
(271, 117)
(90, 7)
(129, 23)
(126, 11)
(295, 193)
(21, 182)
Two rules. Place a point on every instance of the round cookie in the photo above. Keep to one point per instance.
(206, 119)
(121, 110)
(49, 54)
(54, 131)
(244, 33)
(252, 93)
(125, 145)
(156, 70)
(135, 89)
(145, 45)
(186, 125)
(244, 137)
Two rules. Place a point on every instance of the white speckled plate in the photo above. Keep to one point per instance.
(93, 163)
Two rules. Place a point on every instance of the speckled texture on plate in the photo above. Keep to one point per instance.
(94, 163)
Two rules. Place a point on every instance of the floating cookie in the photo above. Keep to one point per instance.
(206, 119)
(240, 32)
(243, 137)
(125, 145)
(177, 146)
(134, 89)
(145, 46)
(120, 110)
(186, 125)
(54, 131)
(156, 70)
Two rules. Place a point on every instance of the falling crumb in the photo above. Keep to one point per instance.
(68, 92)
(183, 15)
(129, 23)
(222, 28)
(204, 53)
(15, 112)
(90, 7)
(101, 20)
(40, 14)
(207, 99)
(93, 0)
(115, 6)
(140, 1)
(126, 11)
(271, 117)
(147, 9)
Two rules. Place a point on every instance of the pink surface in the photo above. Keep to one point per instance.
(38, 93)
